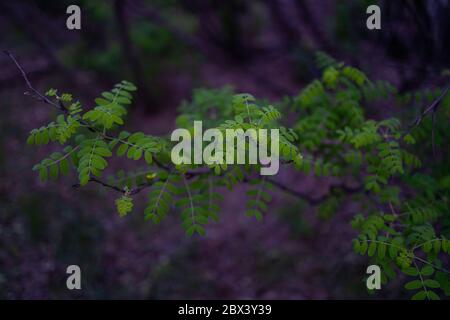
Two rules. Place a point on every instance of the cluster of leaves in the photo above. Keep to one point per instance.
(124, 205)
(404, 226)
(405, 204)
(259, 199)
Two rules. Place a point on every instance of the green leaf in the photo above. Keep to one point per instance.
(254, 213)
(421, 295)
(130, 153)
(410, 271)
(412, 285)
(103, 152)
(137, 154)
(364, 246)
(43, 174)
(427, 246)
(393, 250)
(64, 167)
(200, 230)
(122, 150)
(54, 170)
(437, 246)
(381, 250)
(427, 271)
(430, 283)
(102, 102)
(372, 249)
(356, 245)
(190, 231)
(148, 157)
(433, 295)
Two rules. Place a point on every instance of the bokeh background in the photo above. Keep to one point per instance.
(169, 48)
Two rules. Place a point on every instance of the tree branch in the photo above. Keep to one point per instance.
(307, 197)
(189, 174)
(106, 185)
(39, 95)
(432, 108)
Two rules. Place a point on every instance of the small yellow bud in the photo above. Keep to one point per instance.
(150, 176)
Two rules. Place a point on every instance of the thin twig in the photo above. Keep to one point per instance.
(133, 191)
(59, 105)
(40, 96)
(431, 108)
(107, 185)
(421, 279)
(432, 265)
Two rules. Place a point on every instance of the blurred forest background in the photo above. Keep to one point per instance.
(169, 48)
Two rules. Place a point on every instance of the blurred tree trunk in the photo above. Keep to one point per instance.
(418, 33)
(130, 54)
